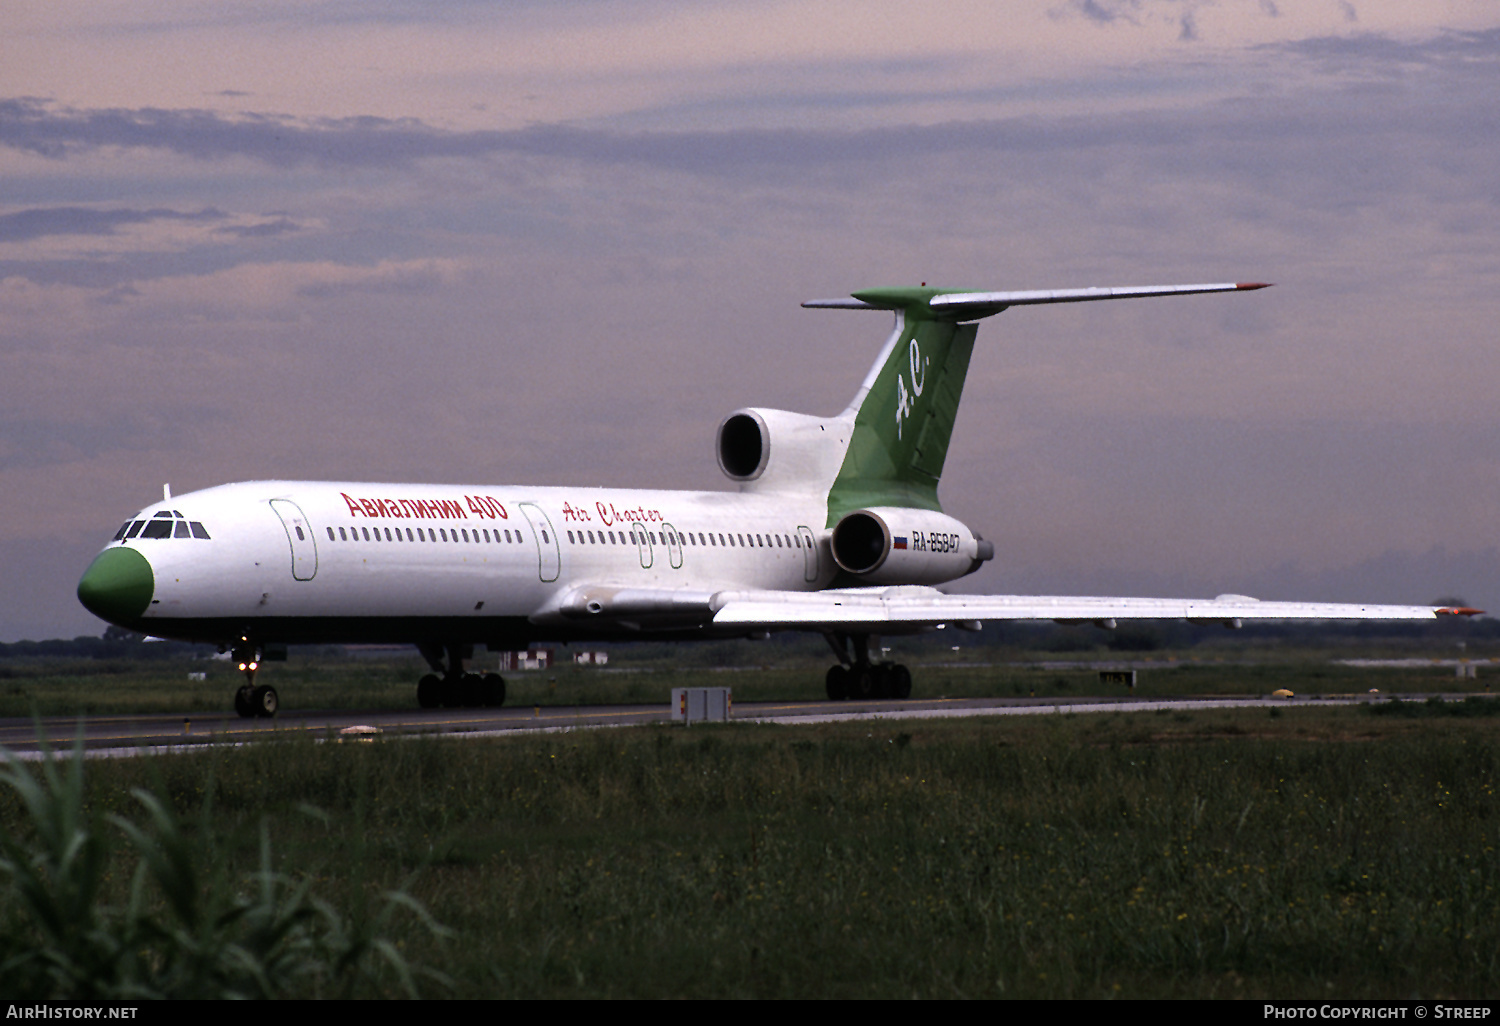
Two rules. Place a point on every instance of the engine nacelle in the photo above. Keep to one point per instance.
(773, 450)
(891, 545)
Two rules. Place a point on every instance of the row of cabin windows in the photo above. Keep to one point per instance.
(781, 541)
(164, 523)
(416, 534)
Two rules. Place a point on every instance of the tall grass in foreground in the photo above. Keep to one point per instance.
(1314, 854)
(184, 931)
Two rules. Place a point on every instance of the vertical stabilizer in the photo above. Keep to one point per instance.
(905, 409)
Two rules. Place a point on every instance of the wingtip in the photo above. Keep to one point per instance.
(1458, 611)
(1248, 286)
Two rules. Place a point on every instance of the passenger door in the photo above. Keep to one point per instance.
(300, 534)
(549, 559)
(809, 554)
(674, 545)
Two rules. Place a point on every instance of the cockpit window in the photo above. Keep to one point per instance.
(158, 529)
(164, 524)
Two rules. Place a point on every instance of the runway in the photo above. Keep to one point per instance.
(124, 736)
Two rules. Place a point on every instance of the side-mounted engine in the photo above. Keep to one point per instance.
(774, 450)
(891, 545)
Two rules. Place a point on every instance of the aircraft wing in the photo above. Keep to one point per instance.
(908, 606)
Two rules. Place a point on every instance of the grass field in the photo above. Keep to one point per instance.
(1292, 852)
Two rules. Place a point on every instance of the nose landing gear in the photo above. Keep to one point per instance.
(252, 700)
(450, 687)
(857, 677)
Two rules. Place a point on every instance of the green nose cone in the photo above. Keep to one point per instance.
(117, 586)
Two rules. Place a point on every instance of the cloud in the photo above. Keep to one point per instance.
(264, 229)
(1449, 51)
(1106, 12)
(25, 225)
(388, 279)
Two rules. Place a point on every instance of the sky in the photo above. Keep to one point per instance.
(556, 243)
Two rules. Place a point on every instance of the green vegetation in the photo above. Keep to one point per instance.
(186, 929)
(1314, 853)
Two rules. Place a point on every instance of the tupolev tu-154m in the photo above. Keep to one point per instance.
(835, 528)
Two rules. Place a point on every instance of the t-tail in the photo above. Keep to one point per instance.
(904, 412)
(880, 460)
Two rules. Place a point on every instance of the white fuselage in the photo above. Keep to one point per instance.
(329, 554)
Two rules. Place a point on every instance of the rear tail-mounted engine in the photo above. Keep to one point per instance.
(891, 545)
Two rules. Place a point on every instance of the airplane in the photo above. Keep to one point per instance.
(835, 528)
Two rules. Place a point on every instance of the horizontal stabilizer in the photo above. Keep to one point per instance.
(956, 305)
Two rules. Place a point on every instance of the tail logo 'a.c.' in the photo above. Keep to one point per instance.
(905, 400)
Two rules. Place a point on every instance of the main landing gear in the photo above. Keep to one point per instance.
(450, 687)
(857, 677)
(252, 700)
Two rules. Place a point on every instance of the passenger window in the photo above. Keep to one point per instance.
(408, 535)
(199, 531)
(507, 535)
(486, 536)
(342, 535)
(466, 534)
(570, 537)
(366, 532)
(545, 539)
(330, 534)
(388, 534)
(300, 535)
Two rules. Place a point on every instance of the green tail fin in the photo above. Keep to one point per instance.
(905, 410)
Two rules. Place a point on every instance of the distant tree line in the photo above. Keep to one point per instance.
(1146, 636)
(116, 643)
